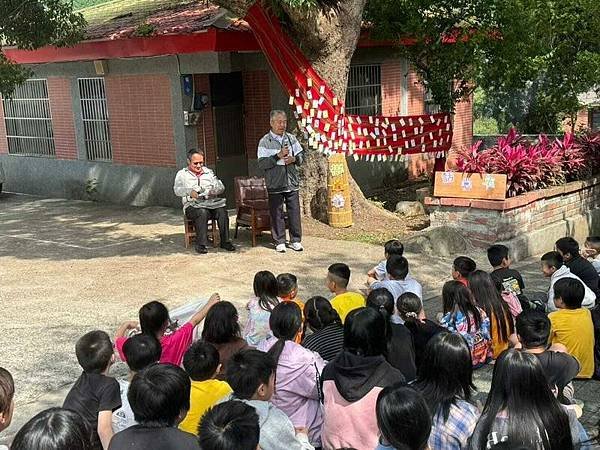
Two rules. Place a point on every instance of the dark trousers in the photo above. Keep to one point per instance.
(201, 216)
(292, 205)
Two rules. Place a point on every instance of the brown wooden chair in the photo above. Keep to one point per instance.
(189, 229)
(252, 202)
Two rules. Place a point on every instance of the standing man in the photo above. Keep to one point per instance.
(279, 154)
(199, 189)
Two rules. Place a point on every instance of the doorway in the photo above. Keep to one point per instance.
(227, 95)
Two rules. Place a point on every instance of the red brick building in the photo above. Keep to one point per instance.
(111, 111)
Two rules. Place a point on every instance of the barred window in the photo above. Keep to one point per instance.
(430, 106)
(363, 96)
(94, 114)
(29, 120)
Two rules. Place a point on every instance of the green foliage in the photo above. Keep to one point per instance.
(144, 29)
(31, 24)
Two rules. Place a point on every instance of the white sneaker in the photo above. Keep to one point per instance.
(296, 246)
(280, 248)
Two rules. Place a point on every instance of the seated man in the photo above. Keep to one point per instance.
(199, 189)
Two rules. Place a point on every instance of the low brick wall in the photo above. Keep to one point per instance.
(528, 223)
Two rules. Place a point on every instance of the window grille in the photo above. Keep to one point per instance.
(94, 113)
(363, 96)
(430, 106)
(28, 120)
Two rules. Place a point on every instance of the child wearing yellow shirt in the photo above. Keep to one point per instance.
(338, 277)
(572, 325)
(201, 362)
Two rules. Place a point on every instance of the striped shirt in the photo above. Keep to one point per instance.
(327, 342)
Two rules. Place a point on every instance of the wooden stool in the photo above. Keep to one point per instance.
(190, 231)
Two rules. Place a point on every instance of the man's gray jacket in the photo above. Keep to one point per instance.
(280, 177)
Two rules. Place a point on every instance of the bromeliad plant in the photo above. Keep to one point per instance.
(530, 166)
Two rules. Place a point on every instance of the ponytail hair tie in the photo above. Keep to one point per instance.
(412, 315)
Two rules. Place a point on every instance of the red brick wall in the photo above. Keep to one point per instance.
(581, 122)
(140, 119)
(257, 105)
(205, 128)
(3, 140)
(416, 101)
(63, 125)
(463, 124)
(391, 87)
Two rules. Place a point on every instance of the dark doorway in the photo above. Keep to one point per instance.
(227, 97)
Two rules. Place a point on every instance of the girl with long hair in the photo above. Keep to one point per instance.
(445, 378)
(260, 306)
(327, 338)
(463, 316)
(490, 300)
(297, 377)
(522, 411)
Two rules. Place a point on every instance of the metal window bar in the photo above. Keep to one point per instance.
(363, 95)
(94, 113)
(28, 120)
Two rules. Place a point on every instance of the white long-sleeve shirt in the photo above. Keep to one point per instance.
(207, 185)
(589, 300)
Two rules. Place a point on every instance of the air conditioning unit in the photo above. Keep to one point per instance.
(191, 118)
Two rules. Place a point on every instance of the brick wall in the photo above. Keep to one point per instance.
(484, 222)
(463, 124)
(257, 105)
(416, 100)
(391, 87)
(3, 140)
(140, 119)
(63, 125)
(205, 128)
(581, 122)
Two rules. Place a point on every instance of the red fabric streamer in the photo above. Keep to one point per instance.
(321, 114)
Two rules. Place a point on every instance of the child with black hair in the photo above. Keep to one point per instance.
(298, 371)
(403, 419)
(53, 429)
(260, 306)
(533, 334)
(251, 375)
(577, 264)
(232, 425)
(391, 247)
(462, 267)
(338, 278)
(160, 398)
(511, 279)
(410, 309)
(95, 395)
(591, 251)
(154, 320)
(140, 350)
(398, 282)
(201, 362)
(327, 337)
(7, 402)
(572, 325)
(288, 292)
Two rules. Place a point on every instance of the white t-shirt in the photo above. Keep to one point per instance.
(123, 417)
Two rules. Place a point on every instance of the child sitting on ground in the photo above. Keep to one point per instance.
(154, 320)
(398, 282)
(511, 279)
(391, 247)
(251, 375)
(577, 264)
(160, 397)
(572, 325)
(7, 403)
(288, 291)
(338, 278)
(140, 351)
(462, 267)
(592, 251)
(201, 362)
(327, 331)
(95, 396)
(533, 332)
(228, 426)
(260, 306)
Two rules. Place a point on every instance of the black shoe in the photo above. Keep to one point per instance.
(201, 249)
(228, 246)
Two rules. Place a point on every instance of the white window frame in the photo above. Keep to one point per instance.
(356, 93)
(94, 116)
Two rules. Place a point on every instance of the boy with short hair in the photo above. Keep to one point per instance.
(251, 375)
(391, 247)
(141, 351)
(462, 267)
(592, 251)
(572, 325)
(287, 291)
(533, 332)
(578, 265)
(398, 283)
(553, 268)
(7, 401)
(230, 425)
(95, 395)
(160, 397)
(511, 279)
(338, 277)
(201, 362)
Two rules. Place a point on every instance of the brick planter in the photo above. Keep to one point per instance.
(529, 223)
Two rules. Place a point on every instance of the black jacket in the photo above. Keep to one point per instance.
(585, 270)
